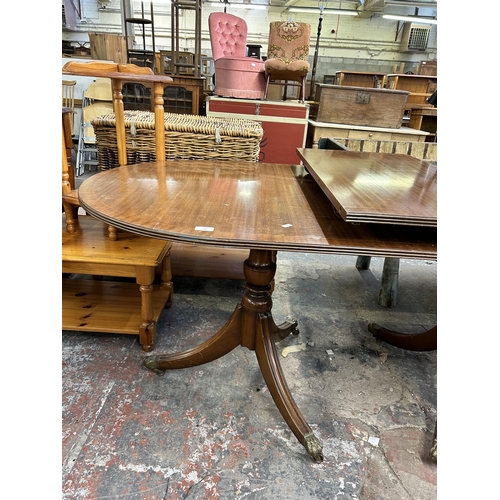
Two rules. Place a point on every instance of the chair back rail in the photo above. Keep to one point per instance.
(120, 74)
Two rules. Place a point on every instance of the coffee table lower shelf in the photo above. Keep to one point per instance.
(106, 306)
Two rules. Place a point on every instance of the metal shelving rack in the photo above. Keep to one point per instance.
(177, 64)
(141, 57)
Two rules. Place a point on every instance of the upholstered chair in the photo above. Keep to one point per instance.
(287, 55)
(236, 75)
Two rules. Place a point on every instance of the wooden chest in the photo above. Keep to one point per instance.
(284, 124)
(359, 106)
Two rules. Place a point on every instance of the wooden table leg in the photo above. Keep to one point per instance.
(147, 329)
(363, 262)
(425, 341)
(388, 294)
(251, 325)
(273, 375)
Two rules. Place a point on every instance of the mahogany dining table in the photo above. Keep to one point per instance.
(265, 208)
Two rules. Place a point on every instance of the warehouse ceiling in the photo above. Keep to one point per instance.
(72, 9)
(367, 6)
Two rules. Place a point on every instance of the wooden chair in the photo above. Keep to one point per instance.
(287, 56)
(68, 99)
(67, 116)
(101, 305)
(119, 74)
(97, 100)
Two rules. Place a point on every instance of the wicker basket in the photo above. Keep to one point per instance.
(187, 137)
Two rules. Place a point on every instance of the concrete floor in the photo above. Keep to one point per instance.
(213, 431)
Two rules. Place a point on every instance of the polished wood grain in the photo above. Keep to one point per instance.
(202, 261)
(261, 207)
(382, 188)
(265, 206)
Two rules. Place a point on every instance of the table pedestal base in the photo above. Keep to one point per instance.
(251, 325)
(425, 341)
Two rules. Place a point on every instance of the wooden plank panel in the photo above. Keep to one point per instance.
(369, 146)
(360, 106)
(88, 246)
(106, 306)
(189, 259)
(385, 146)
(108, 47)
(420, 150)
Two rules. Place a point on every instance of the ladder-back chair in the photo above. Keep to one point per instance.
(68, 99)
(97, 100)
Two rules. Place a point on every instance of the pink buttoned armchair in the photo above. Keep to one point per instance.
(236, 75)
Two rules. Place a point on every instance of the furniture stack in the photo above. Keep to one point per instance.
(420, 87)
(184, 67)
(287, 56)
(342, 111)
(178, 64)
(423, 116)
(135, 55)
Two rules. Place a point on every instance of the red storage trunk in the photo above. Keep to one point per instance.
(284, 124)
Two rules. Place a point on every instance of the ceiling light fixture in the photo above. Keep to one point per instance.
(312, 10)
(410, 18)
(248, 6)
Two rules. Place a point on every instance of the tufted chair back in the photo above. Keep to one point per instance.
(228, 35)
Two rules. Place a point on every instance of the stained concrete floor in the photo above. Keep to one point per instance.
(214, 432)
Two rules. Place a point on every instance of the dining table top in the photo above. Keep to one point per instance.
(383, 188)
(241, 204)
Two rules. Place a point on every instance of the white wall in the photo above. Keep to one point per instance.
(361, 44)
